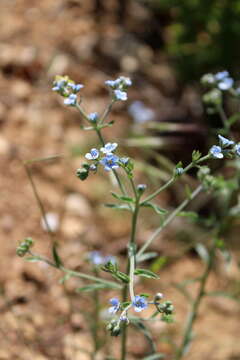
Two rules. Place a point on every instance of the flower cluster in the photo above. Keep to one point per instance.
(225, 147)
(105, 156)
(67, 88)
(221, 80)
(118, 87)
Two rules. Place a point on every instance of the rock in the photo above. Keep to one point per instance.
(78, 205)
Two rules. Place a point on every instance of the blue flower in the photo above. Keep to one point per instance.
(120, 95)
(75, 87)
(221, 75)
(110, 162)
(93, 117)
(237, 149)
(115, 305)
(58, 85)
(139, 303)
(216, 152)
(109, 148)
(224, 142)
(225, 84)
(140, 112)
(112, 83)
(92, 155)
(125, 81)
(71, 100)
(96, 258)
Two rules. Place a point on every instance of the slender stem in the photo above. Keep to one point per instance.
(173, 179)
(131, 276)
(95, 327)
(169, 219)
(195, 305)
(124, 329)
(107, 111)
(39, 201)
(223, 117)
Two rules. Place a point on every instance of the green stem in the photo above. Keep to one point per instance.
(224, 118)
(173, 179)
(95, 328)
(195, 306)
(169, 219)
(107, 111)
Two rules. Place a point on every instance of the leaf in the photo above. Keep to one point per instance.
(93, 287)
(121, 276)
(146, 256)
(192, 215)
(122, 197)
(118, 206)
(159, 263)
(56, 257)
(146, 273)
(155, 357)
(156, 208)
(33, 258)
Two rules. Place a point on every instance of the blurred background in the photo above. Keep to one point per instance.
(164, 46)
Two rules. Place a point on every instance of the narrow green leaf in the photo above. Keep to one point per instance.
(156, 208)
(32, 258)
(121, 276)
(192, 215)
(118, 206)
(56, 257)
(122, 197)
(155, 357)
(159, 263)
(146, 273)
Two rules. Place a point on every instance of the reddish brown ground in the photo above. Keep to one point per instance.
(41, 319)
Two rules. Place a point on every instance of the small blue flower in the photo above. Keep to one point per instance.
(96, 258)
(109, 148)
(179, 171)
(125, 81)
(237, 149)
(216, 152)
(58, 85)
(140, 112)
(92, 167)
(110, 162)
(139, 303)
(92, 155)
(225, 84)
(71, 100)
(223, 142)
(75, 87)
(93, 117)
(110, 258)
(120, 95)
(112, 83)
(115, 305)
(221, 75)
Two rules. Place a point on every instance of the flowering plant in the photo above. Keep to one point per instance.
(105, 157)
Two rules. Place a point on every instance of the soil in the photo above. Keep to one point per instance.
(92, 42)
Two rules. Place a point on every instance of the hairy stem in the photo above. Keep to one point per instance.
(169, 219)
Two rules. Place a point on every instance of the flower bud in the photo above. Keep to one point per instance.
(158, 296)
(141, 188)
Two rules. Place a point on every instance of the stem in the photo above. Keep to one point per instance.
(169, 219)
(195, 306)
(107, 111)
(131, 276)
(95, 327)
(173, 179)
(223, 118)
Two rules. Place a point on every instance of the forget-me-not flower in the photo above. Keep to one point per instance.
(93, 117)
(75, 87)
(140, 112)
(221, 75)
(110, 162)
(216, 152)
(225, 82)
(71, 100)
(109, 148)
(58, 85)
(124, 160)
(96, 258)
(224, 142)
(92, 155)
(115, 305)
(120, 95)
(139, 303)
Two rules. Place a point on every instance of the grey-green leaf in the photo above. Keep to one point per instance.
(146, 273)
(156, 208)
